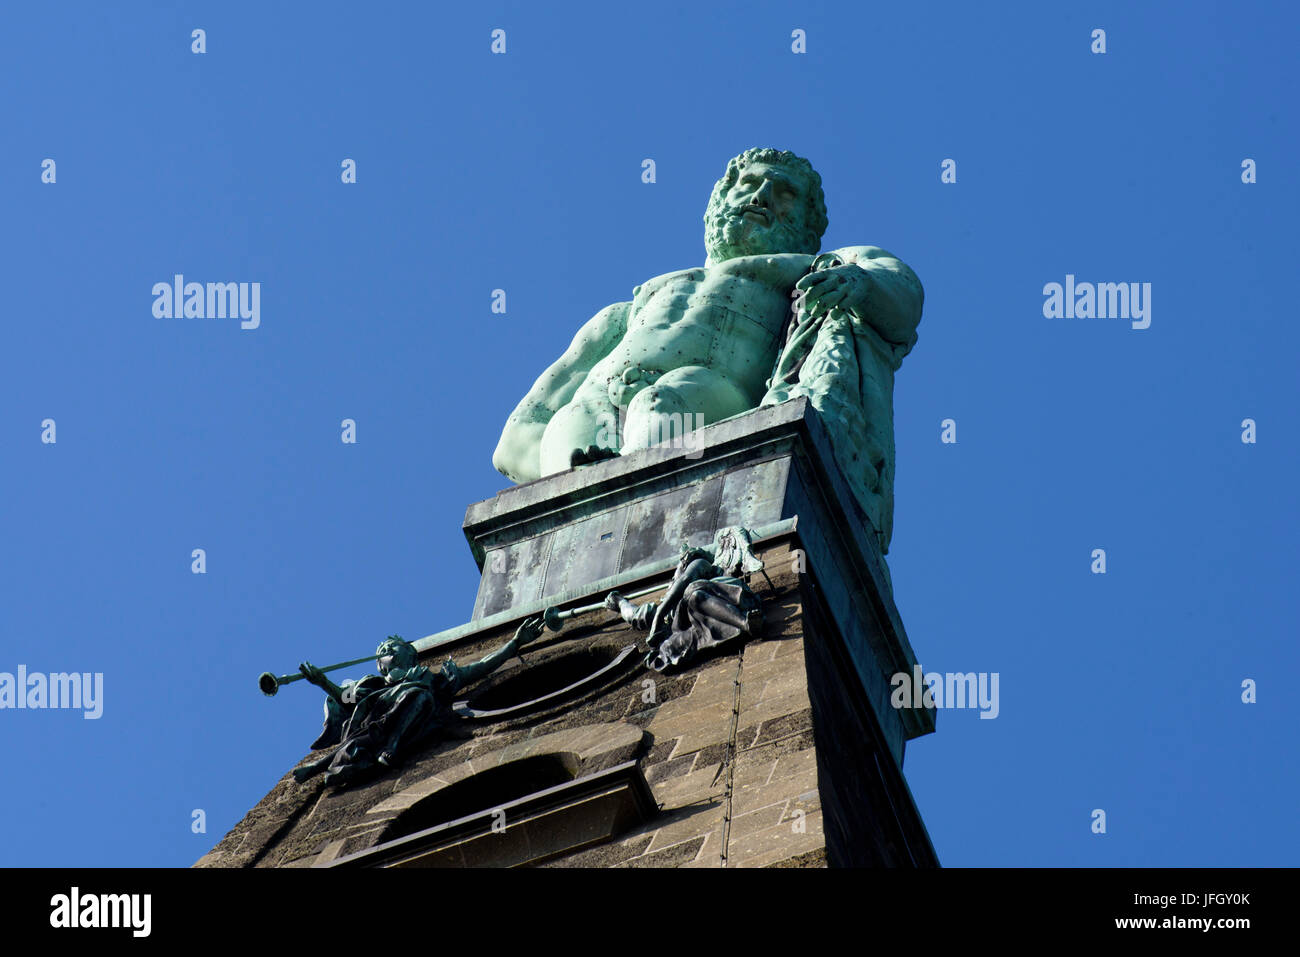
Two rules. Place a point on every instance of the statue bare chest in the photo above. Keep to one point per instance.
(728, 317)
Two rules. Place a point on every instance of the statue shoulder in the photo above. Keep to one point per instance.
(855, 253)
(864, 255)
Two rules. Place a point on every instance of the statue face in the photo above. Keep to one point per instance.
(765, 211)
(396, 655)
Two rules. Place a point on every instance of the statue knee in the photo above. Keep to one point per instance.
(657, 414)
(578, 425)
(656, 398)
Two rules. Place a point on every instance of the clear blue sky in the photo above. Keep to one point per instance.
(523, 172)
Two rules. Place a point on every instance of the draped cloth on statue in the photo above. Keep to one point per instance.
(376, 720)
(692, 628)
(384, 713)
(846, 369)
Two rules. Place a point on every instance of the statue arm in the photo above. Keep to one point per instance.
(893, 295)
(317, 677)
(517, 454)
(460, 675)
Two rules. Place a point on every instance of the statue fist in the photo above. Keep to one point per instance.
(843, 286)
(613, 601)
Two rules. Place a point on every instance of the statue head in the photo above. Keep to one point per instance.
(727, 552)
(768, 201)
(733, 551)
(396, 656)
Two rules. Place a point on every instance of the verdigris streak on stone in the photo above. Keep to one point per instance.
(765, 319)
(376, 720)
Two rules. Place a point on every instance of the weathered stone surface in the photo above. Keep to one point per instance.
(809, 777)
(800, 483)
(674, 856)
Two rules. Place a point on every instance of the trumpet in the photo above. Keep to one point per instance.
(269, 684)
(553, 618)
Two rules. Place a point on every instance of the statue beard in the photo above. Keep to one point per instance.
(728, 235)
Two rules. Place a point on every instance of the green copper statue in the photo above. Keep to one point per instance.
(377, 719)
(765, 319)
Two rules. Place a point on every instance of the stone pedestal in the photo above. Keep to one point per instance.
(783, 752)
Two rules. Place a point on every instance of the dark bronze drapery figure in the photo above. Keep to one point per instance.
(375, 720)
(706, 604)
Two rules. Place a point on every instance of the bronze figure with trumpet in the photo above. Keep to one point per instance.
(377, 720)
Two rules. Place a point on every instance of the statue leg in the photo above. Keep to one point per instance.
(678, 403)
(312, 768)
(719, 610)
(589, 420)
(412, 719)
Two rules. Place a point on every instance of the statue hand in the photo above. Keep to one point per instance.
(313, 674)
(843, 286)
(614, 601)
(530, 630)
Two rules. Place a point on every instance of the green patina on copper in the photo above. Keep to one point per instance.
(765, 319)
